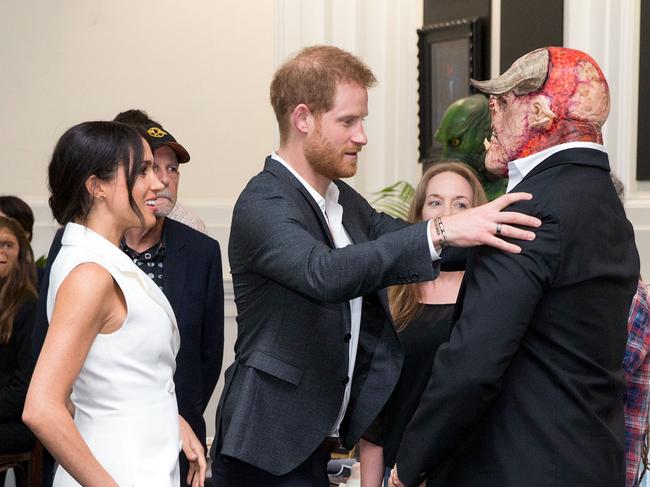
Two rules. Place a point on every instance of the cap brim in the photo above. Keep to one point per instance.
(182, 155)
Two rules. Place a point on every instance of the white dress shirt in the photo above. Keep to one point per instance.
(519, 168)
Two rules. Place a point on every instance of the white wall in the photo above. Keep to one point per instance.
(609, 30)
(200, 67)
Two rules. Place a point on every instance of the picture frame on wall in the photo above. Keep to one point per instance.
(449, 55)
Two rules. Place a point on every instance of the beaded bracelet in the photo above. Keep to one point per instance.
(440, 230)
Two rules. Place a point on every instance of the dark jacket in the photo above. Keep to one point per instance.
(528, 390)
(292, 289)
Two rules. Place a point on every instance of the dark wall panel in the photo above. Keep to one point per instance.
(528, 25)
(442, 10)
(643, 141)
(437, 11)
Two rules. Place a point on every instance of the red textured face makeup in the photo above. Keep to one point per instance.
(571, 105)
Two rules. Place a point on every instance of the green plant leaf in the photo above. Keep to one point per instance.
(395, 199)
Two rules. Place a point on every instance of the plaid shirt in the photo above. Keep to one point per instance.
(636, 365)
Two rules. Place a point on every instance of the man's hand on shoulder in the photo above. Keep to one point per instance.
(486, 225)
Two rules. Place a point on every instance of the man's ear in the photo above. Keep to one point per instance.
(542, 115)
(302, 118)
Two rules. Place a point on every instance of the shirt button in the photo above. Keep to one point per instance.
(171, 387)
(348, 337)
(346, 380)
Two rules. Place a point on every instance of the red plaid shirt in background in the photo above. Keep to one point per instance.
(636, 365)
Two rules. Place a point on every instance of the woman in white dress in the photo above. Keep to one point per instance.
(102, 395)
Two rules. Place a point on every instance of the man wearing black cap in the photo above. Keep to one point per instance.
(186, 265)
(158, 137)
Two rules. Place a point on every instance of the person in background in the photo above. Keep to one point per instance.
(17, 305)
(637, 397)
(15, 208)
(636, 366)
(140, 118)
(422, 315)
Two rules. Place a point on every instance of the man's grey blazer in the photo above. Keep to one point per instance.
(283, 392)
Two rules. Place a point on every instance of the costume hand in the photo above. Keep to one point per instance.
(193, 450)
(394, 479)
(480, 225)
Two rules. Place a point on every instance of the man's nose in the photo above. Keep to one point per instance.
(156, 183)
(359, 136)
(163, 177)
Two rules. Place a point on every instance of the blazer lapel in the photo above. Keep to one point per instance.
(356, 230)
(175, 266)
(284, 175)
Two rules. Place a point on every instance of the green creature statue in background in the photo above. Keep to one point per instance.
(463, 128)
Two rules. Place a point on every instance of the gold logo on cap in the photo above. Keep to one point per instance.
(156, 132)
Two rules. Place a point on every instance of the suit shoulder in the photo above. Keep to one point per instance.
(263, 181)
(175, 229)
(561, 185)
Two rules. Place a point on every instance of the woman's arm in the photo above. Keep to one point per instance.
(88, 302)
(372, 463)
(193, 450)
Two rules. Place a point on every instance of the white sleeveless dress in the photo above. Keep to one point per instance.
(125, 405)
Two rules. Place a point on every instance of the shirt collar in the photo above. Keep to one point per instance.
(82, 236)
(157, 248)
(520, 168)
(331, 194)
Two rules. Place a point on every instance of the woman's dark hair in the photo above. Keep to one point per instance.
(15, 208)
(20, 284)
(91, 149)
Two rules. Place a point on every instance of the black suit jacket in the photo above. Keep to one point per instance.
(528, 390)
(193, 283)
(292, 289)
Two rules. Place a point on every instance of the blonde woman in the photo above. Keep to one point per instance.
(422, 315)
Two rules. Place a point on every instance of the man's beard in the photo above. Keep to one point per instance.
(164, 203)
(327, 160)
